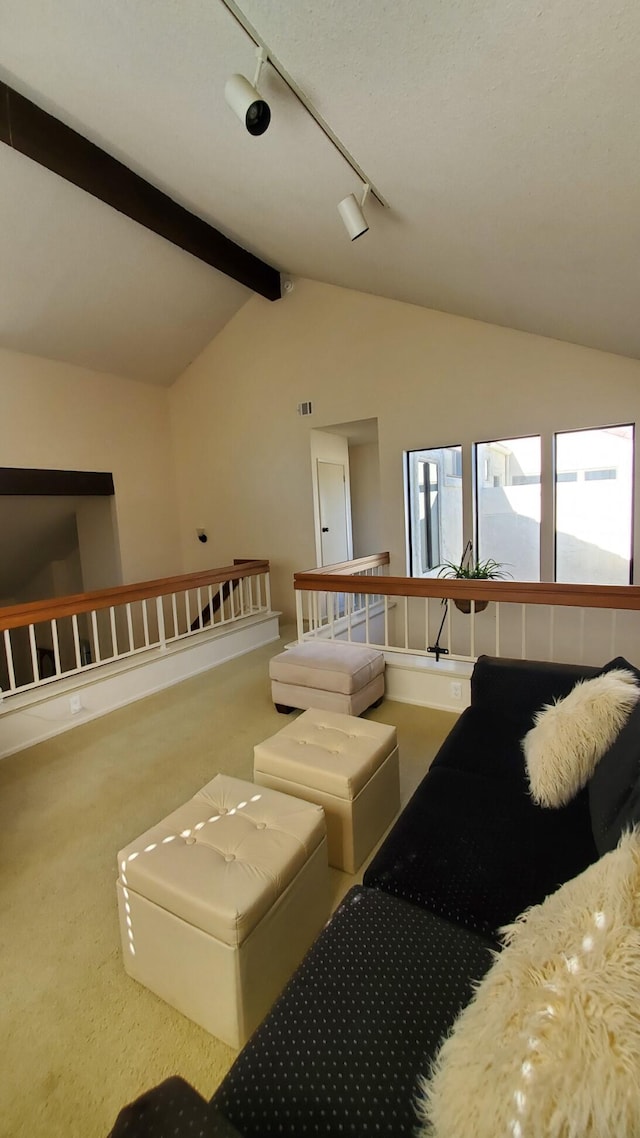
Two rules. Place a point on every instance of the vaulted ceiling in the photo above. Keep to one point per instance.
(505, 137)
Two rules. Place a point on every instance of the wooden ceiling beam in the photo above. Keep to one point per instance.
(45, 139)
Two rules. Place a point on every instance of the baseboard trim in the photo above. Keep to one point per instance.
(444, 686)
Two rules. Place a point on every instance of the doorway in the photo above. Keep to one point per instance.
(332, 497)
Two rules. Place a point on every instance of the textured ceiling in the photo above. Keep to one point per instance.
(505, 137)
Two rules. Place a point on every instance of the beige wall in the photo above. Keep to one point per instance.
(57, 416)
(365, 499)
(243, 453)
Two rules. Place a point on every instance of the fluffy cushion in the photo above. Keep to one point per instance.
(570, 736)
(550, 1045)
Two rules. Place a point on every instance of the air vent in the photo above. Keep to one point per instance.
(305, 408)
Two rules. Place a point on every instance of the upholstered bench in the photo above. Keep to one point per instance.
(327, 674)
(219, 902)
(349, 766)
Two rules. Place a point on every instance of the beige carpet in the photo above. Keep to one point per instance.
(79, 1037)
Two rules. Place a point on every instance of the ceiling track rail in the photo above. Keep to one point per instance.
(304, 99)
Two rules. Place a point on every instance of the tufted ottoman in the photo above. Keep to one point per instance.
(327, 674)
(219, 902)
(348, 766)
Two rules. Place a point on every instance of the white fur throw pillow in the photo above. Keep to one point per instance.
(571, 736)
(550, 1045)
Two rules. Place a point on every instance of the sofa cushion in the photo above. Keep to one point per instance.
(516, 689)
(571, 736)
(341, 1050)
(614, 789)
(550, 1045)
(478, 851)
(483, 744)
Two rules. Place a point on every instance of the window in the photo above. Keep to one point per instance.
(585, 509)
(593, 511)
(508, 504)
(434, 481)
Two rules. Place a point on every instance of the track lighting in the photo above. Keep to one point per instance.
(350, 210)
(244, 100)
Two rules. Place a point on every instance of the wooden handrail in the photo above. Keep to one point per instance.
(512, 592)
(37, 612)
(358, 565)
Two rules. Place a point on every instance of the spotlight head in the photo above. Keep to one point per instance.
(246, 103)
(352, 216)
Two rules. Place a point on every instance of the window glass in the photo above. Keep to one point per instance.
(594, 506)
(508, 505)
(435, 508)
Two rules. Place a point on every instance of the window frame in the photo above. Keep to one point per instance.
(549, 479)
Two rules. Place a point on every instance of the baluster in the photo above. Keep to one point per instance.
(299, 615)
(96, 638)
(132, 643)
(386, 621)
(34, 654)
(56, 647)
(9, 654)
(114, 634)
(162, 636)
(76, 640)
(145, 623)
(614, 620)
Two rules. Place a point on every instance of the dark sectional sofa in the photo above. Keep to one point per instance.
(342, 1050)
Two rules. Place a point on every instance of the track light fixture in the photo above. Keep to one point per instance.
(254, 112)
(244, 100)
(350, 210)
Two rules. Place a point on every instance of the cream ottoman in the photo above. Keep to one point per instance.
(327, 674)
(219, 902)
(348, 766)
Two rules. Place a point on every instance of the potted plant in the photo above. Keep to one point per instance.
(471, 569)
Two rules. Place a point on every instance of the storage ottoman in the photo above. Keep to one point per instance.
(327, 674)
(348, 766)
(219, 902)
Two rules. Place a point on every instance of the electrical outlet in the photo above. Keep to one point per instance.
(456, 690)
(75, 704)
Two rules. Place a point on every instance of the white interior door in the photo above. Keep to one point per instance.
(332, 494)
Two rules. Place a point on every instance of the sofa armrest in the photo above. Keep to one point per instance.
(342, 1050)
(518, 688)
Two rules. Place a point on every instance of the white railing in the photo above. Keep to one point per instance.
(50, 640)
(420, 616)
